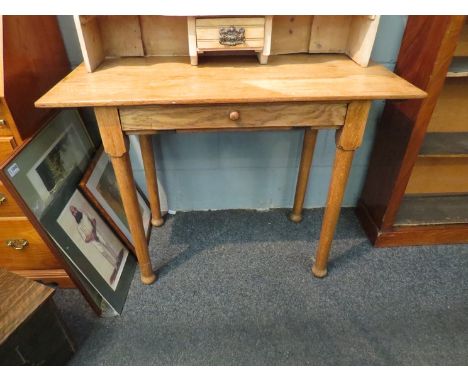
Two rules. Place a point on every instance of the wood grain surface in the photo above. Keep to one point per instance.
(164, 35)
(19, 298)
(451, 111)
(7, 145)
(164, 80)
(329, 34)
(57, 277)
(308, 146)
(8, 207)
(462, 45)
(36, 255)
(34, 59)
(168, 117)
(411, 235)
(147, 154)
(348, 139)
(438, 175)
(116, 146)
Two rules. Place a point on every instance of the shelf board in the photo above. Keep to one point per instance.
(433, 210)
(458, 67)
(450, 144)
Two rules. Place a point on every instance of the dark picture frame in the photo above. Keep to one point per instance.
(99, 186)
(54, 157)
(80, 253)
(14, 174)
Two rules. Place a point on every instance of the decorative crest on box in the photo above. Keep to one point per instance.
(231, 36)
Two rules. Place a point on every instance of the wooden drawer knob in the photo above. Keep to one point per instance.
(234, 115)
(2, 122)
(3, 199)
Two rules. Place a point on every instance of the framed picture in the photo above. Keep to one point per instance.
(59, 152)
(91, 245)
(99, 185)
(43, 176)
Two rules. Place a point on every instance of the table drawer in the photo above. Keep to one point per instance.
(171, 117)
(8, 206)
(230, 33)
(35, 255)
(7, 145)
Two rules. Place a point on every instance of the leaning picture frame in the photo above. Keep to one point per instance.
(53, 158)
(91, 245)
(99, 186)
(39, 175)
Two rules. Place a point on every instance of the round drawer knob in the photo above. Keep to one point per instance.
(234, 115)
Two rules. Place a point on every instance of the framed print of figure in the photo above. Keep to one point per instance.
(43, 175)
(91, 245)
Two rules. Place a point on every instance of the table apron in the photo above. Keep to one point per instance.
(139, 119)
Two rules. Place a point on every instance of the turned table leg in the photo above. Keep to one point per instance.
(338, 182)
(147, 154)
(348, 139)
(310, 136)
(116, 146)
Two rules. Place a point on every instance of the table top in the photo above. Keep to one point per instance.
(231, 79)
(19, 298)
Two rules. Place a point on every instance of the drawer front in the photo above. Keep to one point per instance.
(232, 33)
(173, 117)
(8, 206)
(7, 145)
(35, 255)
(4, 128)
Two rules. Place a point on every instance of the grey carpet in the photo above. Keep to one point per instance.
(235, 289)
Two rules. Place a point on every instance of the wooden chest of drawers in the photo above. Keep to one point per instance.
(22, 250)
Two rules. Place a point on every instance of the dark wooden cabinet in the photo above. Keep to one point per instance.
(416, 190)
(32, 60)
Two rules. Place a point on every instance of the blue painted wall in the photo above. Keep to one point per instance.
(251, 170)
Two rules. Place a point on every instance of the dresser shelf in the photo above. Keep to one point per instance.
(433, 210)
(458, 67)
(448, 144)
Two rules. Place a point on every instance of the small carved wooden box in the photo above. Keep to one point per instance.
(230, 34)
